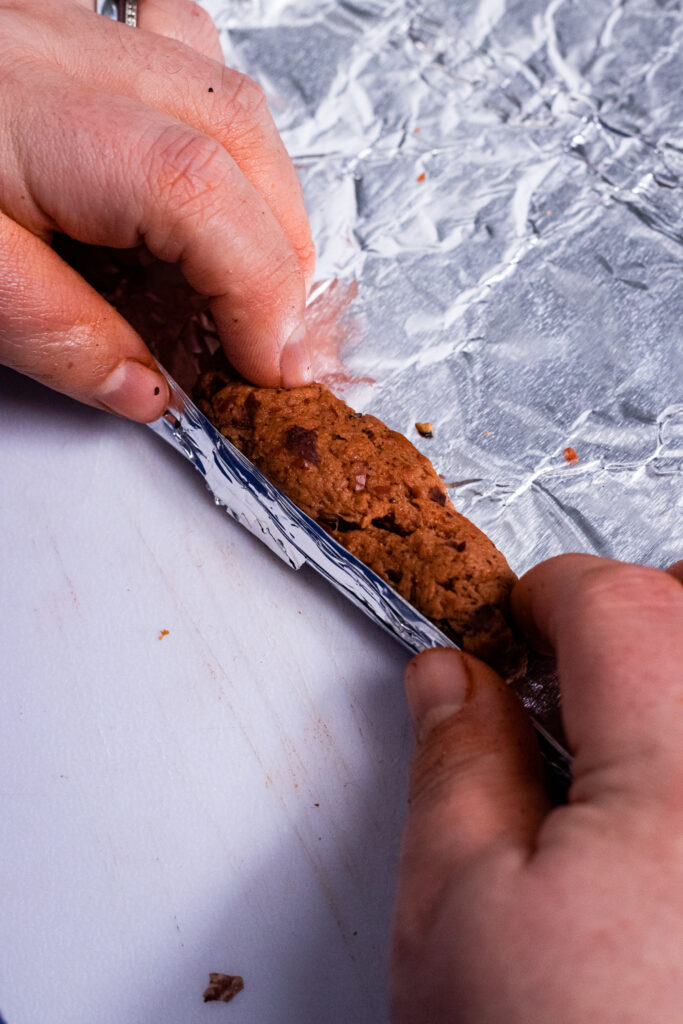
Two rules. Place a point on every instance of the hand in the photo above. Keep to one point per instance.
(509, 911)
(118, 137)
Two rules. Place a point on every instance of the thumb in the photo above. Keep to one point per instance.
(476, 784)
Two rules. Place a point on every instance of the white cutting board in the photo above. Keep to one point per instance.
(226, 798)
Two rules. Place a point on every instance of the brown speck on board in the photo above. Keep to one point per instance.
(570, 455)
(222, 988)
(424, 429)
(162, 634)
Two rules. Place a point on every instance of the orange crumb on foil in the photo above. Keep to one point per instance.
(163, 633)
(421, 177)
(570, 455)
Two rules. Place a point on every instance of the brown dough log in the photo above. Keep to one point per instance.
(372, 491)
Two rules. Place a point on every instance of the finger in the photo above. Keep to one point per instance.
(676, 570)
(183, 20)
(108, 171)
(475, 781)
(218, 101)
(56, 329)
(617, 630)
(476, 805)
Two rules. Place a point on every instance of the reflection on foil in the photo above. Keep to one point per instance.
(501, 183)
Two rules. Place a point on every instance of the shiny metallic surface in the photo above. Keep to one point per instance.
(497, 186)
(503, 181)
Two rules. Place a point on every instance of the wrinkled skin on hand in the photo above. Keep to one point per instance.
(513, 912)
(125, 137)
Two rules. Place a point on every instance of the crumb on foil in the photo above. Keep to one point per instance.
(425, 429)
(570, 455)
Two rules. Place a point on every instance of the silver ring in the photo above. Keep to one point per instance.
(127, 12)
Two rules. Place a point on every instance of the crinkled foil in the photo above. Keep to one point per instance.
(502, 180)
(495, 193)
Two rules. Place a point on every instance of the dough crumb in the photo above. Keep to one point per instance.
(425, 429)
(223, 987)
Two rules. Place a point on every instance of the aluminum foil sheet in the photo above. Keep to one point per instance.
(502, 181)
(495, 193)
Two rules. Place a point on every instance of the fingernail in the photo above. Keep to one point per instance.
(295, 359)
(437, 685)
(135, 391)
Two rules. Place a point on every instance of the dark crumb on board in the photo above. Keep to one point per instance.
(210, 89)
(570, 455)
(424, 429)
(223, 987)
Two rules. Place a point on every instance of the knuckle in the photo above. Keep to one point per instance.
(199, 15)
(281, 271)
(623, 586)
(247, 97)
(245, 117)
(305, 251)
(185, 167)
(201, 29)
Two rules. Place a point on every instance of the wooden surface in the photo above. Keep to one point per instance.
(226, 797)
